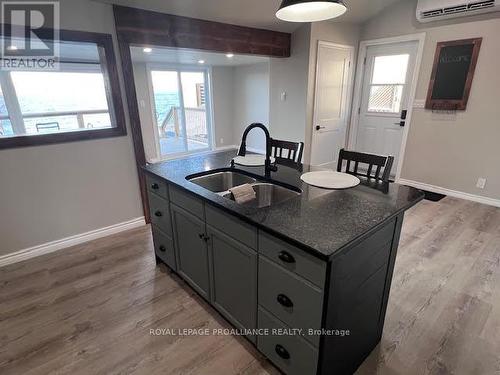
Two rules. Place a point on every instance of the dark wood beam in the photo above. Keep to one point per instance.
(143, 27)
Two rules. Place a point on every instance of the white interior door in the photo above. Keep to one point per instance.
(388, 73)
(331, 103)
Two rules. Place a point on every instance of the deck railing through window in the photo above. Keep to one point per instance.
(196, 124)
(55, 122)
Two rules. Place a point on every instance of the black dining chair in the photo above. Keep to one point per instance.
(287, 153)
(376, 167)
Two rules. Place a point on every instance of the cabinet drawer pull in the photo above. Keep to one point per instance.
(202, 236)
(284, 300)
(163, 248)
(155, 186)
(286, 257)
(158, 214)
(282, 352)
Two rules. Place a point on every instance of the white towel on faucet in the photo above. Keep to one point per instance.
(243, 193)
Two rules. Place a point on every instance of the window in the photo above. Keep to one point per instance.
(181, 111)
(5, 125)
(78, 100)
(388, 80)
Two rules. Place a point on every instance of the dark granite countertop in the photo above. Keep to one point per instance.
(321, 221)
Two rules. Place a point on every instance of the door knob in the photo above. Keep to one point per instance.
(401, 123)
(320, 127)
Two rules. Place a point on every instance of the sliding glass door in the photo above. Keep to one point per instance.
(182, 110)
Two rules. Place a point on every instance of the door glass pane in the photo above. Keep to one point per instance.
(168, 112)
(385, 98)
(193, 93)
(390, 69)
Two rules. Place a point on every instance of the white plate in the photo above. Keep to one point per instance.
(252, 160)
(330, 179)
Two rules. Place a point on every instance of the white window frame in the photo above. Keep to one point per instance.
(207, 71)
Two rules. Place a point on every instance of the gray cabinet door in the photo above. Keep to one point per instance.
(234, 279)
(191, 249)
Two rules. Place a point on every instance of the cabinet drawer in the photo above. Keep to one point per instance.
(160, 213)
(293, 259)
(164, 247)
(243, 232)
(187, 202)
(157, 185)
(293, 300)
(292, 354)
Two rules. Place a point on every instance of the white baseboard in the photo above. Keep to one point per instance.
(63, 243)
(225, 148)
(451, 193)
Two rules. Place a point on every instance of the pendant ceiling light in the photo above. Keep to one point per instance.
(310, 10)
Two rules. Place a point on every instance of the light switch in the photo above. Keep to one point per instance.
(283, 96)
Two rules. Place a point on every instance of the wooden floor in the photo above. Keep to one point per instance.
(89, 309)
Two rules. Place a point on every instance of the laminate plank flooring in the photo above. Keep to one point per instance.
(89, 309)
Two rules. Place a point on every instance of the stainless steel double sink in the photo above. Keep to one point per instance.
(267, 193)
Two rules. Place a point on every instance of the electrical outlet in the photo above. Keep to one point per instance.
(481, 183)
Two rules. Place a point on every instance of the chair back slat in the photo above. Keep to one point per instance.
(370, 160)
(287, 152)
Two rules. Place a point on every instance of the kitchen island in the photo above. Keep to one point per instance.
(307, 279)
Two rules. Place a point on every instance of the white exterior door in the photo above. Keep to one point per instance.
(331, 103)
(388, 72)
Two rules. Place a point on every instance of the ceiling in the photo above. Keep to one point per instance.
(191, 57)
(252, 13)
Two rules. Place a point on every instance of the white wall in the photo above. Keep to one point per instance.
(293, 119)
(146, 114)
(55, 191)
(451, 151)
(328, 31)
(251, 102)
(287, 119)
(223, 105)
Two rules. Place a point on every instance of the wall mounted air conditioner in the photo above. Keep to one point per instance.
(436, 10)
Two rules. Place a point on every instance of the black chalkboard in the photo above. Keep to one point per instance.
(452, 75)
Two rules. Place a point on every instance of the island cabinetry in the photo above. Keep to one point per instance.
(191, 249)
(161, 223)
(234, 279)
(325, 312)
(216, 254)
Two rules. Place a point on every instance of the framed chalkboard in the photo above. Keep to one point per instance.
(451, 80)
